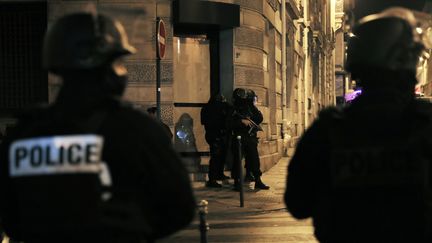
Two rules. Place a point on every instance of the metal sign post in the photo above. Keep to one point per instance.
(240, 169)
(160, 49)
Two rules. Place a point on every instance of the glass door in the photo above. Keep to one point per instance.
(191, 57)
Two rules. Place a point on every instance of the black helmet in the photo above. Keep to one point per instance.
(216, 98)
(240, 96)
(251, 96)
(390, 40)
(220, 98)
(84, 41)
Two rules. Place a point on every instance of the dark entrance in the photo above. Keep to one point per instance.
(23, 82)
(198, 30)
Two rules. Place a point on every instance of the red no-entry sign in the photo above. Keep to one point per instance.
(161, 39)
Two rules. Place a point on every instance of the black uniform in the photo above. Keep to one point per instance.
(359, 172)
(249, 139)
(362, 173)
(146, 176)
(214, 118)
(244, 121)
(90, 168)
(152, 111)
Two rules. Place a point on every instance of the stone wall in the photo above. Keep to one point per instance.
(257, 64)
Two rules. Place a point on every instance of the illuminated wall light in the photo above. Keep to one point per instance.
(178, 45)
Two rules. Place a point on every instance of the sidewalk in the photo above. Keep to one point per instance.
(222, 199)
(262, 219)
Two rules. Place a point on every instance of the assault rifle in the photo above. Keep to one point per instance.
(254, 125)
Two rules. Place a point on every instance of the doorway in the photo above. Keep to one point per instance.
(192, 89)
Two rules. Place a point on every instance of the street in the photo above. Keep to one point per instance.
(263, 218)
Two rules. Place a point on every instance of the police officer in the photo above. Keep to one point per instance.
(214, 118)
(152, 111)
(244, 121)
(90, 167)
(360, 172)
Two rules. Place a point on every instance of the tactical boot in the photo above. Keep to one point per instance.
(260, 185)
(213, 184)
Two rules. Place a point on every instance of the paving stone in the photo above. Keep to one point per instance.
(263, 218)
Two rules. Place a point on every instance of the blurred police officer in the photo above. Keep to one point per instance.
(152, 111)
(89, 167)
(244, 121)
(362, 172)
(214, 118)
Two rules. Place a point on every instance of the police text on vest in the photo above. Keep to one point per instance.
(56, 155)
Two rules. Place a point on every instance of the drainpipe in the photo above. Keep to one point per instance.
(286, 136)
(307, 69)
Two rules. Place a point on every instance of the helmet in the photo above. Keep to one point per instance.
(240, 96)
(389, 40)
(217, 98)
(220, 98)
(84, 41)
(251, 96)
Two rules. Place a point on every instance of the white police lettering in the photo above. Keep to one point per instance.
(56, 155)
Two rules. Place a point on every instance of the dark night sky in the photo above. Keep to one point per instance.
(365, 7)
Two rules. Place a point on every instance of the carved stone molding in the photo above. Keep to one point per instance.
(274, 4)
(339, 6)
(293, 10)
(167, 111)
(146, 72)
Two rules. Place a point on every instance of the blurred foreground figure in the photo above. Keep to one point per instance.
(362, 172)
(90, 168)
(152, 111)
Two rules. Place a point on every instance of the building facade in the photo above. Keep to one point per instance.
(310, 61)
(282, 49)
